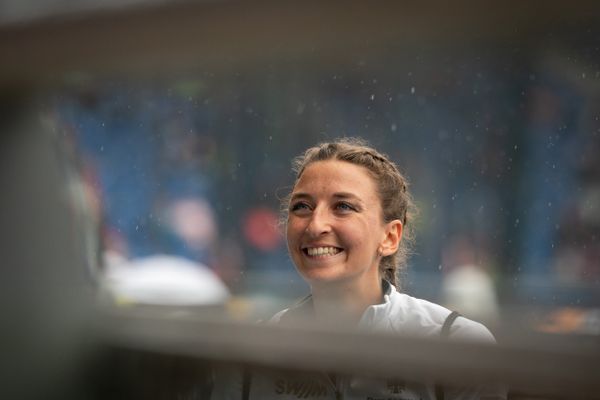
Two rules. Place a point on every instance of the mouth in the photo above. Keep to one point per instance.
(321, 251)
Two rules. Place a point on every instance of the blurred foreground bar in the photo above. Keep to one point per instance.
(541, 364)
(151, 37)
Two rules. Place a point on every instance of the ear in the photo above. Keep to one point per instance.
(393, 236)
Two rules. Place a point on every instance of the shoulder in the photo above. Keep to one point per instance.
(414, 316)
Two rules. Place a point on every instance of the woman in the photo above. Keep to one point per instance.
(348, 224)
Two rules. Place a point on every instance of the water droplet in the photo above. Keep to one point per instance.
(393, 128)
(412, 90)
(372, 97)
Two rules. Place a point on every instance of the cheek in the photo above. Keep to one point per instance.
(293, 229)
(363, 236)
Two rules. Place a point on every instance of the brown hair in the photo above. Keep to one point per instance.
(396, 201)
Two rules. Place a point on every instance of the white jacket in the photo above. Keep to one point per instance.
(399, 313)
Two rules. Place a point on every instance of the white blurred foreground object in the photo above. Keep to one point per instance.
(164, 280)
(470, 290)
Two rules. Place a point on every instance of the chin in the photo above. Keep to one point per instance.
(323, 277)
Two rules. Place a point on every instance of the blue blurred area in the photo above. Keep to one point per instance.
(497, 145)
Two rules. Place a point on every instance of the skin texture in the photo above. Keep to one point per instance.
(336, 204)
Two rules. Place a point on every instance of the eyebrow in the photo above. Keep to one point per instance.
(346, 195)
(339, 195)
(300, 195)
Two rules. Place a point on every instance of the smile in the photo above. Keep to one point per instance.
(321, 251)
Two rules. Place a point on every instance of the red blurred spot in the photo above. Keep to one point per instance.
(261, 229)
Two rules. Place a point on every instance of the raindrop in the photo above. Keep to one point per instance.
(412, 90)
(372, 97)
(393, 127)
(101, 148)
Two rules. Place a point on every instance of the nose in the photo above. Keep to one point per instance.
(320, 223)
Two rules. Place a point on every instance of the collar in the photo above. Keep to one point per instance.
(377, 313)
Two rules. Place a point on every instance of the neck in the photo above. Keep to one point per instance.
(345, 301)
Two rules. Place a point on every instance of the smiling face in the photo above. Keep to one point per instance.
(335, 228)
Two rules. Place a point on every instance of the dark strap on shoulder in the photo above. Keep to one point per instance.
(246, 379)
(444, 334)
(448, 324)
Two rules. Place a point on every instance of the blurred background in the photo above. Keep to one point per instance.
(175, 124)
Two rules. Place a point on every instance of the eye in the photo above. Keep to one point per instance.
(299, 206)
(344, 207)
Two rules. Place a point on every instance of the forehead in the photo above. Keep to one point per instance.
(337, 176)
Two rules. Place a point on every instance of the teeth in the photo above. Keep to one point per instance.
(320, 251)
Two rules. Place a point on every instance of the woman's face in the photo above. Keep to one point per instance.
(335, 226)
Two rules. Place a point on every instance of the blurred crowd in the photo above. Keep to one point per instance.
(501, 156)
